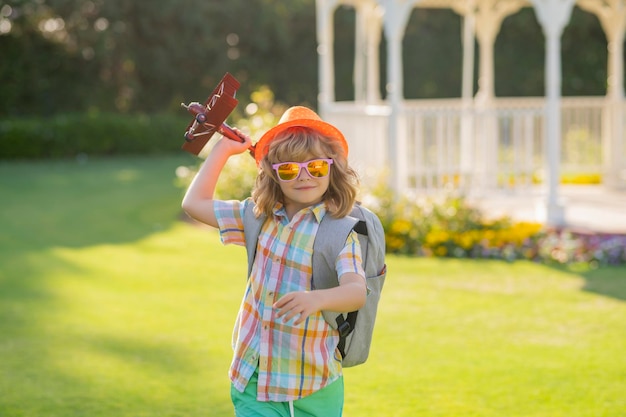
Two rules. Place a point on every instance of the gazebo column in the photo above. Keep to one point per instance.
(467, 152)
(325, 38)
(396, 17)
(469, 29)
(375, 26)
(366, 70)
(612, 16)
(489, 15)
(553, 15)
(487, 28)
(615, 168)
(360, 53)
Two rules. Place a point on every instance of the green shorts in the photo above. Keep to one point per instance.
(327, 402)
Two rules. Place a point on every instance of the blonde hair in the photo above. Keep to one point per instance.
(295, 144)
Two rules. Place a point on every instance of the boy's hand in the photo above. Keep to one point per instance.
(301, 303)
(233, 147)
(350, 295)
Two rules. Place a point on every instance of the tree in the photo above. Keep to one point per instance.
(150, 55)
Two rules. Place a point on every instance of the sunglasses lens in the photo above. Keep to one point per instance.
(288, 172)
(318, 168)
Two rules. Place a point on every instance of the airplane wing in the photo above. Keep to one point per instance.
(218, 107)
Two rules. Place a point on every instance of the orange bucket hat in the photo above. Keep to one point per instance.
(301, 117)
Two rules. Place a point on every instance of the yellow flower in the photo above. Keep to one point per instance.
(394, 243)
(436, 237)
(400, 227)
(465, 240)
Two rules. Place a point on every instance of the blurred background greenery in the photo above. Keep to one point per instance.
(147, 56)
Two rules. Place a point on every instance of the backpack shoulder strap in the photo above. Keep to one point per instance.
(372, 238)
(251, 230)
(329, 240)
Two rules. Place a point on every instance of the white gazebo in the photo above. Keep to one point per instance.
(477, 143)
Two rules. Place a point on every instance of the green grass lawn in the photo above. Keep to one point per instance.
(110, 305)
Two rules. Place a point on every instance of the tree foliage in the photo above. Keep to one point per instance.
(148, 56)
(151, 55)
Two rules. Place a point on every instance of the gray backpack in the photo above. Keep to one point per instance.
(356, 327)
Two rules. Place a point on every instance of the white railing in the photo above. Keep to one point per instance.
(444, 144)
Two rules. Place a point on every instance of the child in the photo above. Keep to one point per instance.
(285, 358)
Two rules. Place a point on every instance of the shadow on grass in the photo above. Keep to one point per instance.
(606, 281)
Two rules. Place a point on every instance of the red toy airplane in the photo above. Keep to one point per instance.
(210, 116)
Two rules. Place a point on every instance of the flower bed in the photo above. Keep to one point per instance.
(452, 228)
(567, 246)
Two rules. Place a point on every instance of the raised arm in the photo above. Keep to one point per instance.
(198, 200)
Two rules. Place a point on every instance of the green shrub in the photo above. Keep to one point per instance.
(235, 182)
(72, 135)
(448, 226)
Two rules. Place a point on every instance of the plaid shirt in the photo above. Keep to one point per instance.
(292, 361)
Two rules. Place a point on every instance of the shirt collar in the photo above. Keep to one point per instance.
(318, 210)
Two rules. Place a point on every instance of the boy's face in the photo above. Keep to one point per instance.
(305, 190)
